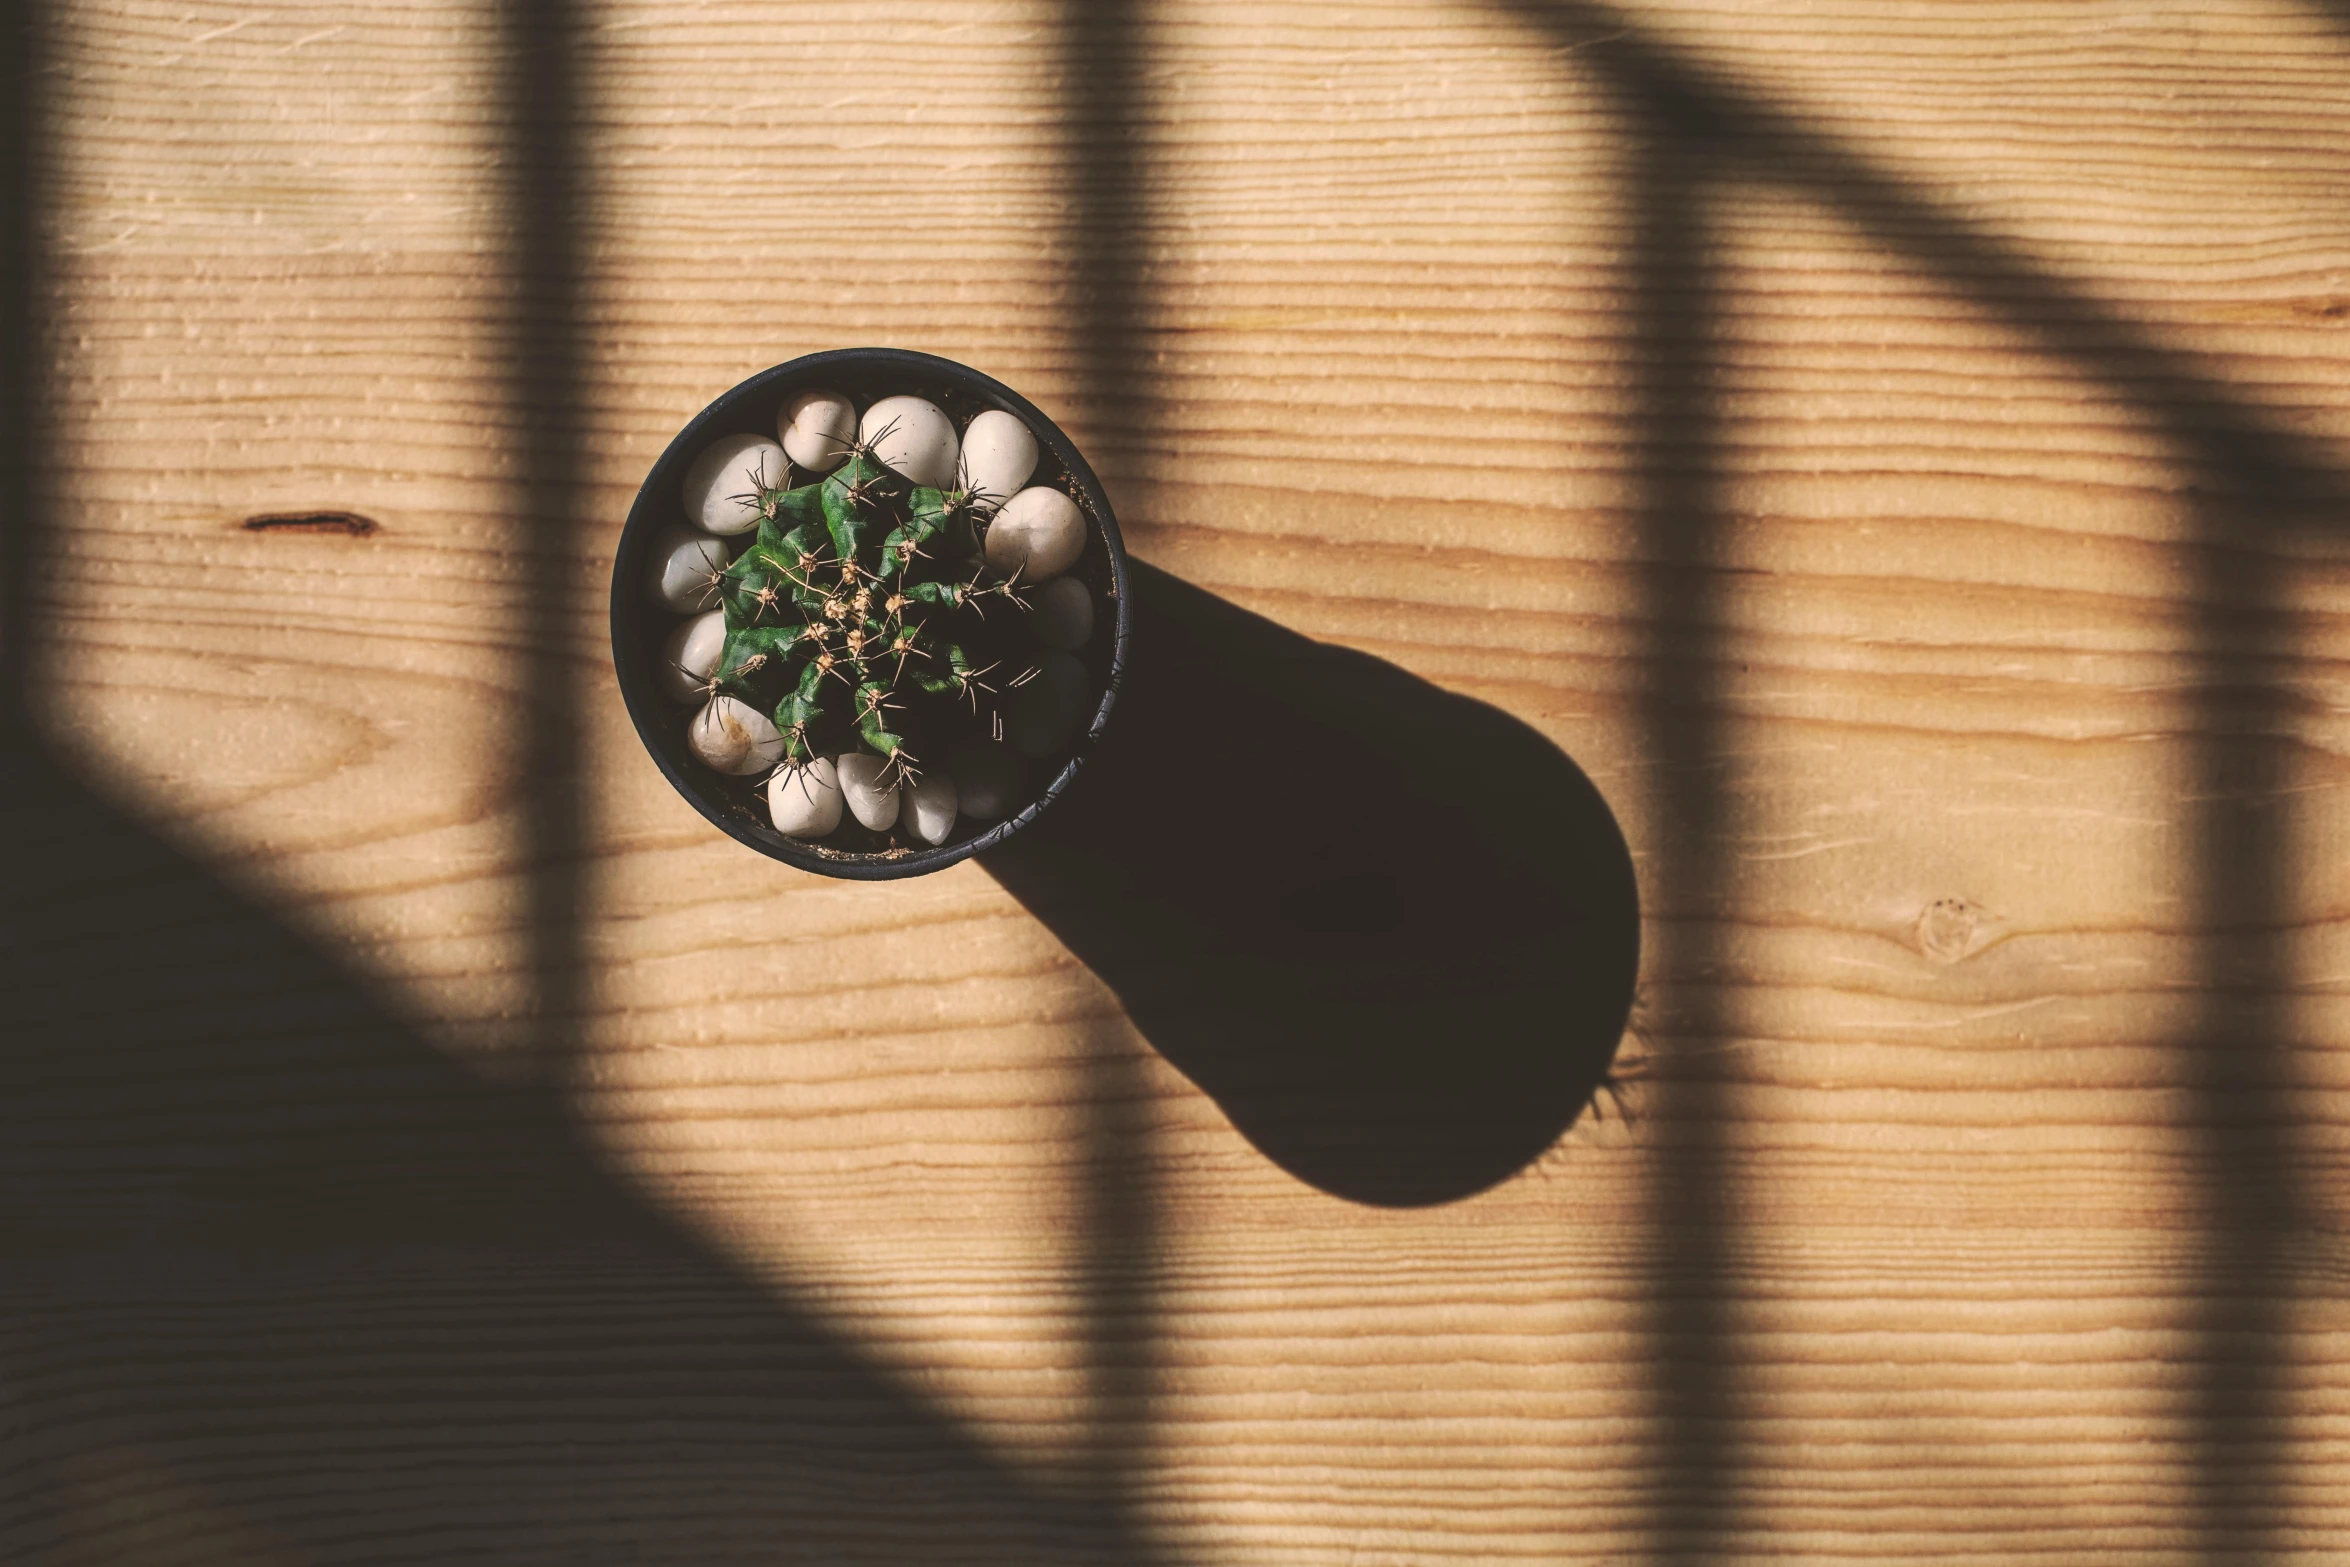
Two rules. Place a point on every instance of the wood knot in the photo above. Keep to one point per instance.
(1947, 928)
(349, 523)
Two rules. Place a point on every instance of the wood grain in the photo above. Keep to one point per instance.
(1931, 1008)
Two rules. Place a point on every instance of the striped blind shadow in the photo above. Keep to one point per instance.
(283, 1283)
(1391, 1024)
(286, 1284)
(1676, 430)
(25, 84)
(2256, 486)
(1407, 987)
(1102, 166)
(545, 208)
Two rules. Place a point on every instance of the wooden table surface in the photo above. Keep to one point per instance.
(1898, 452)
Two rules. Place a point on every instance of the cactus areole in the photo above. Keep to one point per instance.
(863, 618)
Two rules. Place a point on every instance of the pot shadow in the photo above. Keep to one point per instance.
(1402, 986)
(283, 1282)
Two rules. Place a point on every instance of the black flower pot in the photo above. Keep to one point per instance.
(639, 626)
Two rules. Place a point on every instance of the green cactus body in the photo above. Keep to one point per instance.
(855, 620)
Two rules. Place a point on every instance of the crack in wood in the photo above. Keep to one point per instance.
(350, 523)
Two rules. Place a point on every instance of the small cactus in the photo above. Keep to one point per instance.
(845, 620)
(879, 633)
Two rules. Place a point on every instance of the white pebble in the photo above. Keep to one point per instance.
(1045, 709)
(927, 807)
(860, 784)
(690, 657)
(732, 736)
(721, 488)
(685, 569)
(1038, 534)
(987, 782)
(913, 436)
(1063, 614)
(998, 456)
(805, 801)
(816, 427)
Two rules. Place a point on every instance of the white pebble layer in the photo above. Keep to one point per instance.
(913, 436)
(816, 427)
(1045, 709)
(1062, 614)
(690, 657)
(731, 736)
(987, 781)
(999, 455)
(685, 567)
(1038, 535)
(805, 801)
(722, 487)
(926, 807)
(860, 784)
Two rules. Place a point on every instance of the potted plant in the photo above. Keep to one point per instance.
(869, 612)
